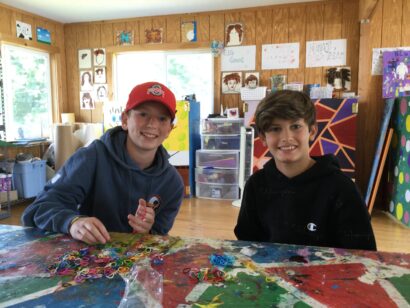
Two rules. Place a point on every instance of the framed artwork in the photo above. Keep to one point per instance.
(86, 100)
(86, 81)
(188, 31)
(234, 34)
(84, 58)
(100, 74)
(153, 36)
(125, 38)
(251, 80)
(43, 36)
(231, 82)
(278, 82)
(99, 56)
(23, 30)
(232, 113)
(100, 92)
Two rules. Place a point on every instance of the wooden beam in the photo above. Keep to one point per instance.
(366, 8)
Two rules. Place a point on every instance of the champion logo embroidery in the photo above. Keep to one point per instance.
(311, 227)
(156, 90)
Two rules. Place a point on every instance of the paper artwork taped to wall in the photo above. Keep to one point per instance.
(396, 77)
(23, 30)
(43, 36)
(99, 56)
(100, 92)
(124, 38)
(234, 34)
(251, 80)
(188, 31)
(84, 58)
(100, 75)
(112, 114)
(86, 100)
(153, 36)
(231, 82)
(278, 82)
(86, 81)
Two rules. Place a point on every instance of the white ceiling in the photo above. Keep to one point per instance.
(69, 11)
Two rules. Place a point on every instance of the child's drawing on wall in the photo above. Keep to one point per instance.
(99, 57)
(234, 34)
(86, 81)
(252, 80)
(153, 36)
(231, 82)
(86, 101)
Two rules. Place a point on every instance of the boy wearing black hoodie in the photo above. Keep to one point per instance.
(295, 198)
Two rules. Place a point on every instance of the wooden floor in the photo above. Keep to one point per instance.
(216, 219)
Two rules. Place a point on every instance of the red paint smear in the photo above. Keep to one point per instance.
(336, 285)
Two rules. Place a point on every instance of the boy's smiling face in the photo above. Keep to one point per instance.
(288, 142)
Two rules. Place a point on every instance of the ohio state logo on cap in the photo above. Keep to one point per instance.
(156, 90)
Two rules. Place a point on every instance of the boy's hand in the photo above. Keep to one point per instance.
(143, 219)
(89, 230)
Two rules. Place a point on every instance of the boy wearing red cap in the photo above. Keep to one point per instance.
(120, 183)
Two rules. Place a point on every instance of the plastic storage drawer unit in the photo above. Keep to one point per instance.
(221, 142)
(29, 178)
(217, 159)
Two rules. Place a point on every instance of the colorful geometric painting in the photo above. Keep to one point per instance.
(399, 167)
(336, 120)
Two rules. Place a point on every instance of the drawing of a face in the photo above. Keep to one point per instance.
(231, 84)
(252, 84)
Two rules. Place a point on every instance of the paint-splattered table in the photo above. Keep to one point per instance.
(262, 275)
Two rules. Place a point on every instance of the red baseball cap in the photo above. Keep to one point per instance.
(152, 92)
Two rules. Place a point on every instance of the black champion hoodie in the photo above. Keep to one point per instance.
(319, 207)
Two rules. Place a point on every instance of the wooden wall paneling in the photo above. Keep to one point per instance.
(14, 17)
(232, 100)
(332, 28)
(73, 80)
(173, 30)
(161, 23)
(314, 32)
(5, 21)
(298, 20)
(392, 19)
(216, 32)
(94, 30)
(263, 35)
(202, 28)
(145, 24)
(248, 19)
(280, 33)
(351, 31)
(83, 42)
(134, 27)
(107, 35)
(405, 33)
(370, 101)
(58, 40)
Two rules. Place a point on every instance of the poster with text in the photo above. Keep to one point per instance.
(239, 58)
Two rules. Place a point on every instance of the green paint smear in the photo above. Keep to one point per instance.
(249, 291)
(402, 284)
(15, 288)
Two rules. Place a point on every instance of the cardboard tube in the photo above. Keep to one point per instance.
(65, 144)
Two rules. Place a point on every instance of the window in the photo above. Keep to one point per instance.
(185, 73)
(27, 93)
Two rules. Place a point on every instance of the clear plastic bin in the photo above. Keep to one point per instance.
(221, 126)
(221, 142)
(217, 191)
(218, 176)
(217, 159)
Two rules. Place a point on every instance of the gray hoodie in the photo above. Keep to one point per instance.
(103, 181)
